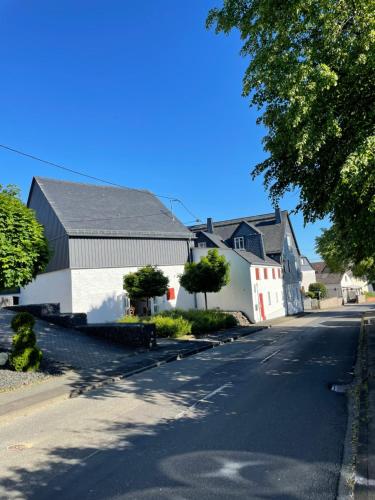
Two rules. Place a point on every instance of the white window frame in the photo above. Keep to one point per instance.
(269, 299)
(237, 244)
(202, 244)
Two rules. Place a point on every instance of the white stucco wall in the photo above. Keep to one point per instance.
(236, 296)
(272, 290)
(53, 287)
(308, 277)
(99, 292)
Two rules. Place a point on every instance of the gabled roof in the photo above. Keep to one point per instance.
(251, 258)
(307, 266)
(106, 211)
(320, 267)
(215, 238)
(273, 231)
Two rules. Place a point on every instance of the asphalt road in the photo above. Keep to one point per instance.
(252, 419)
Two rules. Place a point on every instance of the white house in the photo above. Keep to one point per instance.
(264, 242)
(343, 285)
(308, 274)
(98, 234)
(255, 288)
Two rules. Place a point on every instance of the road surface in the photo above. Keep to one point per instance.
(252, 419)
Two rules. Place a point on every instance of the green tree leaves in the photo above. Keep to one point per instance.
(210, 274)
(311, 73)
(23, 247)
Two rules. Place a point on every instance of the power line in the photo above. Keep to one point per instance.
(82, 174)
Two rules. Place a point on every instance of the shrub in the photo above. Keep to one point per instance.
(130, 319)
(22, 320)
(370, 294)
(315, 288)
(311, 295)
(171, 327)
(204, 321)
(26, 360)
(25, 355)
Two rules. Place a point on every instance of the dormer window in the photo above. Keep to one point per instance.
(202, 244)
(239, 243)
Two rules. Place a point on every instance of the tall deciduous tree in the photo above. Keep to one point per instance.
(147, 282)
(210, 274)
(23, 247)
(311, 73)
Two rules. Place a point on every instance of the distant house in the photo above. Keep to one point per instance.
(343, 285)
(308, 274)
(98, 234)
(265, 259)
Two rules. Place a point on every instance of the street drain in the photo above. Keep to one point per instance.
(339, 388)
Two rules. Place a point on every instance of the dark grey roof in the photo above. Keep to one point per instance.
(273, 232)
(92, 210)
(215, 238)
(307, 264)
(254, 259)
(329, 278)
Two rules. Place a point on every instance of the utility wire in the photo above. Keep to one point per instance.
(104, 181)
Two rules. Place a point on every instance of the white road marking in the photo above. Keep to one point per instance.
(364, 481)
(231, 469)
(270, 356)
(204, 399)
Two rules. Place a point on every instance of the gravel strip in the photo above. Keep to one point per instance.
(10, 380)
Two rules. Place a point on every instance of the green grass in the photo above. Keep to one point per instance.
(370, 294)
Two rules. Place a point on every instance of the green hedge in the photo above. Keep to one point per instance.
(165, 326)
(204, 321)
(178, 322)
(315, 288)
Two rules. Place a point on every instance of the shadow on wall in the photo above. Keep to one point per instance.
(109, 310)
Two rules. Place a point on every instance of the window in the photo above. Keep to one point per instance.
(302, 262)
(277, 297)
(289, 241)
(255, 288)
(279, 273)
(269, 298)
(265, 273)
(202, 244)
(273, 273)
(239, 243)
(257, 273)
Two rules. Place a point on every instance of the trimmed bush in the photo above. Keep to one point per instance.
(25, 355)
(22, 320)
(204, 321)
(171, 327)
(315, 288)
(165, 326)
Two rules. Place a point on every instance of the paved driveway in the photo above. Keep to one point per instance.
(69, 347)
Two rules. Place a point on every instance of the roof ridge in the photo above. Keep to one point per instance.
(87, 184)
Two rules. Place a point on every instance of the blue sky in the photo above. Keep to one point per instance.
(139, 93)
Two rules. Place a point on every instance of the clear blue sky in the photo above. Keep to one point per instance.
(135, 92)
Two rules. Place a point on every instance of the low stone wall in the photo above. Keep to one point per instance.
(129, 334)
(330, 303)
(51, 313)
(38, 310)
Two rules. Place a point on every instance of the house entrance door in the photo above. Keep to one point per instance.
(261, 307)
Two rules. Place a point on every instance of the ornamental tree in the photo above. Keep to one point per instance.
(311, 75)
(147, 282)
(23, 247)
(210, 274)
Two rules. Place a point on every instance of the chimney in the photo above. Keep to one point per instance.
(210, 225)
(278, 215)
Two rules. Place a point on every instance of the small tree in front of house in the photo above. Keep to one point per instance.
(209, 275)
(147, 282)
(24, 249)
(319, 290)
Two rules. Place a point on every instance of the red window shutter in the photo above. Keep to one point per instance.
(273, 273)
(257, 273)
(171, 294)
(265, 273)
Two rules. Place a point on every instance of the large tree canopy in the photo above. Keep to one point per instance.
(311, 73)
(23, 247)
